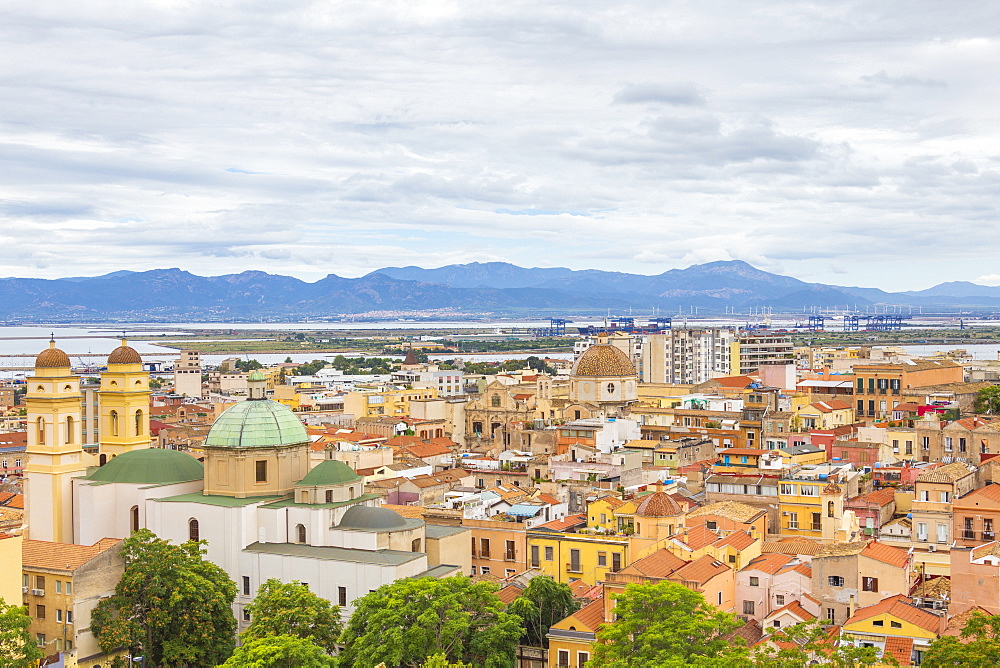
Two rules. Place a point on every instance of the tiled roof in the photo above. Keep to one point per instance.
(699, 536)
(804, 569)
(794, 547)
(990, 494)
(794, 608)
(881, 497)
(768, 563)
(900, 649)
(509, 593)
(700, 570)
(946, 473)
(62, 556)
(411, 512)
(603, 360)
(992, 548)
(427, 450)
(739, 540)
(13, 501)
(886, 554)
(733, 510)
(565, 523)
(660, 564)
(939, 587)
(733, 381)
(900, 607)
(658, 504)
(750, 633)
(830, 406)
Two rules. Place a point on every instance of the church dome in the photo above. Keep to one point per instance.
(256, 424)
(124, 354)
(51, 358)
(658, 504)
(367, 518)
(603, 360)
(150, 466)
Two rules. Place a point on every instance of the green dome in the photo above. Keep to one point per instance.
(329, 472)
(259, 423)
(150, 466)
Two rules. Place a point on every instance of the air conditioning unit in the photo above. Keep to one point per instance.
(923, 538)
(24, 590)
(932, 548)
(38, 592)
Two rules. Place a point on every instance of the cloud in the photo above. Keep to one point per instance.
(680, 94)
(882, 77)
(992, 280)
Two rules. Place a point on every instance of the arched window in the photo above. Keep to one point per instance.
(351, 492)
(40, 431)
(329, 496)
(829, 508)
(611, 388)
(104, 460)
(70, 425)
(114, 423)
(135, 518)
(138, 423)
(193, 532)
(415, 545)
(300, 533)
(495, 401)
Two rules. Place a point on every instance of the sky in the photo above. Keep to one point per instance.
(852, 143)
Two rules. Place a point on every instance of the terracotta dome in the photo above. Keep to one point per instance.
(51, 357)
(124, 354)
(658, 504)
(603, 360)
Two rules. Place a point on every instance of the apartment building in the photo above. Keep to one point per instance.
(879, 387)
(748, 352)
(686, 356)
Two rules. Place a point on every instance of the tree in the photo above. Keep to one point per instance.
(809, 643)
(662, 624)
(291, 609)
(542, 603)
(281, 651)
(403, 623)
(441, 661)
(171, 605)
(17, 647)
(979, 645)
(988, 400)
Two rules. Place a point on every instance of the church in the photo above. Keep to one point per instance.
(254, 499)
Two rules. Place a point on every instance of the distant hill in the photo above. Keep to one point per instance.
(492, 287)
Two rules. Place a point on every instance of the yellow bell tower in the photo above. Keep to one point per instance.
(124, 403)
(55, 446)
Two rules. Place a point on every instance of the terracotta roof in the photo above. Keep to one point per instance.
(768, 563)
(988, 549)
(52, 358)
(794, 608)
(547, 498)
(412, 512)
(796, 547)
(802, 568)
(567, 522)
(658, 504)
(886, 554)
(403, 441)
(508, 594)
(733, 381)
(422, 450)
(946, 473)
(603, 360)
(901, 649)
(881, 497)
(699, 536)
(592, 614)
(700, 570)
(750, 633)
(659, 564)
(62, 556)
(939, 587)
(739, 540)
(902, 608)
(830, 406)
(733, 510)
(990, 493)
(14, 501)
(123, 354)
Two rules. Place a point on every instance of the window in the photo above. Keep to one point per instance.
(40, 582)
(788, 489)
(962, 445)
(40, 611)
(193, 530)
(114, 423)
(534, 556)
(829, 509)
(58, 586)
(754, 581)
(563, 658)
(260, 468)
(909, 447)
(895, 625)
(747, 607)
(711, 525)
(947, 444)
(831, 615)
(246, 585)
(869, 584)
(616, 561)
(329, 496)
(878, 622)
(509, 553)
(942, 533)
(246, 615)
(779, 599)
(484, 548)
(574, 561)
(777, 624)
(70, 428)
(793, 520)
(138, 423)
(548, 554)
(485, 570)
(300, 533)
(835, 581)
(602, 558)
(809, 490)
(925, 495)
(135, 518)
(342, 596)
(69, 588)
(925, 442)
(582, 658)
(69, 616)
(495, 401)
(40, 639)
(59, 616)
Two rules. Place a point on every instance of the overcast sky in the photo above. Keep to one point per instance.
(854, 143)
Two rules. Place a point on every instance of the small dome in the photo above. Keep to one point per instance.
(658, 504)
(51, 358)
(329, 472)
(256, 376)
(124, 354)
(367, 518)
(603, 360)
(150, 466)
(256, 424)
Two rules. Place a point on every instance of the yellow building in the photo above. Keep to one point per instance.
(573, 556)
(810, 507)
(124, 403)
(603, 513)
(895, 626)
(55, 451)
(10, 558)
(827, 414)
(571, 640)
(62, 584)
(384, 401)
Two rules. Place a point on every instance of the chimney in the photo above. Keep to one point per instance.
(851, 606)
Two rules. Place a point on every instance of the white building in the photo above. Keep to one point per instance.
(686, 356)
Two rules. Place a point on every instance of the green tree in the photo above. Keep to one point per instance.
(542, 603)
(441, 661)
(403, 623)
(979, 645)
(988, 400)
(808, 643)
(171, 605)
(662, 624)
(17, 647)
(281, 651)
(291, 609)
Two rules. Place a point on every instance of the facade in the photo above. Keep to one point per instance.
(686, 356)
(879, 387)
(750, 351)
(977, 516)
(847, 576)
(187, 374)
(603, 381)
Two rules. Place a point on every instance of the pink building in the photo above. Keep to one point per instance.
(770, 582)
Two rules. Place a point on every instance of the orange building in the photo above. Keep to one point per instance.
(878, 387)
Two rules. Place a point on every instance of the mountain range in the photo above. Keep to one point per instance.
(476, 288)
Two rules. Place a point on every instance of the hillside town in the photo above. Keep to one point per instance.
(854, 489)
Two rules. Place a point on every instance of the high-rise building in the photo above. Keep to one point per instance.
(686, 356)
(187, 374)
(752, 350)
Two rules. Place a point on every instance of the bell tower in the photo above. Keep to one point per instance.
(55, 446)
(124, 403)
